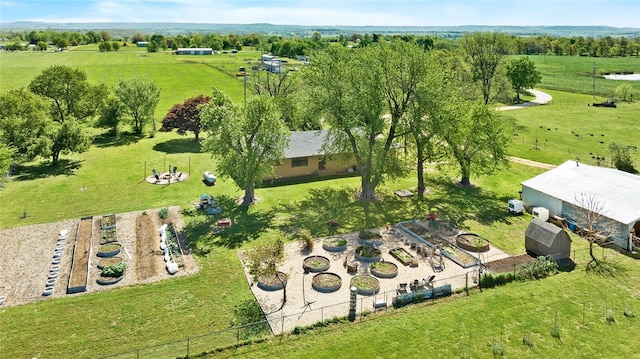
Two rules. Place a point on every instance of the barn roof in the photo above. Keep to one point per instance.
(543, 232)
(305, 144)
(618, 191)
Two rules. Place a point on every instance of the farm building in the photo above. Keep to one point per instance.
(142, 43)
(617, 194)
(305, 156)
(543, 238)
(194, 51)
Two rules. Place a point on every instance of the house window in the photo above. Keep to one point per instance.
(299, 162)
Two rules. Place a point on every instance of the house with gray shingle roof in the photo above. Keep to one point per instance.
(306, 156)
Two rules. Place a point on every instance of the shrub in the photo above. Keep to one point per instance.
(539, 268)
(164, 213)
(115, 270)
(491, 280)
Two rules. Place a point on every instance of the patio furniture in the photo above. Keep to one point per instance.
(402, 288)
(414, 263)
(429, 280)
(416, 285)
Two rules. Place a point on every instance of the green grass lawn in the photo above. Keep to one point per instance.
(144, 315)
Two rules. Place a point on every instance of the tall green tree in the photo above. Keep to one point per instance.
(186, 116)
(24, 124)
(111, 115)
(523, 74)
(477, 138)
(72, 100)
(6, 159)
(246, 143)
(345, 88)
(485, 51)
(140, 98)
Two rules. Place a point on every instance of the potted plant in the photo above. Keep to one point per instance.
(112, 274)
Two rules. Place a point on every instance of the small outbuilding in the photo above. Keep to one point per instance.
(543, 238)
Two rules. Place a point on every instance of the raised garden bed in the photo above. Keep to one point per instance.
(105, 262)
(108, 280)
(81, 252)
(366, 284)
(334, 244)
(401, 255)
(472, 242)
(326, 282)
(367, 254)
(108, 221)
(384, 269)
(369, 238)
(273, 283)
(109, 250)
(449, 249)
(316, 264)
(108, 236)
(173, 245)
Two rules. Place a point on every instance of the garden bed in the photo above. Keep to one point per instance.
(326, 282)
(273, 282)
(334, 244)
(105, 262)
(448, 249)
(367, 254)
(384, 269)
(108, 221)
(366, 284)
(369, 238)
(401, 255)
(472, 242)
(109, 250)
(316, 264)
(108, 235)
(81, 252)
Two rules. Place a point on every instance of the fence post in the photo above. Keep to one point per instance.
(321, 318)
(188, 343)
(137, 353)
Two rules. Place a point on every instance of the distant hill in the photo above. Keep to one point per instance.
(165, 28)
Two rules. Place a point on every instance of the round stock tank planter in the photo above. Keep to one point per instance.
(334, 244)
(273, 283)
(366, 284)
(472, 242)
(384, 269)
(105, 262)
(326, 282)
(316, 264)
(367, 254)
(108, 280)
(109, 250)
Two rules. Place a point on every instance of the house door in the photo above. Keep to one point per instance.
(322, 165)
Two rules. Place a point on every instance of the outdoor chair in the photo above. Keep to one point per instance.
(429, 280)
(402, 288)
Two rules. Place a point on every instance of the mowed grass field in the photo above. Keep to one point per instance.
(112, 173)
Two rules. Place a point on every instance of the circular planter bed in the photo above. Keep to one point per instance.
(326, 282)
(369, 238)
(108, 280)
(109, 250)
(472, 242)
(384, 269)
(334, 244)
(316, 264)
(367, 254)
(366, 284)
(273, 283)
(105, 262)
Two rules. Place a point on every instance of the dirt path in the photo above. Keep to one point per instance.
(542, 98)
(531, 163)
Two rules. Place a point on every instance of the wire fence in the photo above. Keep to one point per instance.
(318, 317)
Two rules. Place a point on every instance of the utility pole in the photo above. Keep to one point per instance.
(594, 80)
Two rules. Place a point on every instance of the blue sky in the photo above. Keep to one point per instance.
(617, 13)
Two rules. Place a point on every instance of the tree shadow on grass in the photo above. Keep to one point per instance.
(605, 268)
(247, 225)
(470, 203)
(122, 139)
(179, 145)
(65, 167)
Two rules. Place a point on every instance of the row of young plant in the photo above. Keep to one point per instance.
(539, 268)
(111, 267)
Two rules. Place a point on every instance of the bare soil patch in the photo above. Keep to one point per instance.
(508, 264)
(146, 256)
(81, 254)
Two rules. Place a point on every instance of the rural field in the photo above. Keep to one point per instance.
(110, 178)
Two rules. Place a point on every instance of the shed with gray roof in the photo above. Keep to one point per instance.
(543, 238)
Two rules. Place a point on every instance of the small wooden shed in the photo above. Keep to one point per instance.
(543, 238)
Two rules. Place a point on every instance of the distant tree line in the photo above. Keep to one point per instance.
(607, 46)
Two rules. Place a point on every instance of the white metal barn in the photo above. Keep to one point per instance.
(618, 193)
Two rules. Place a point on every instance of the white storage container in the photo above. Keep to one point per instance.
(515, 206)
(541, 213)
